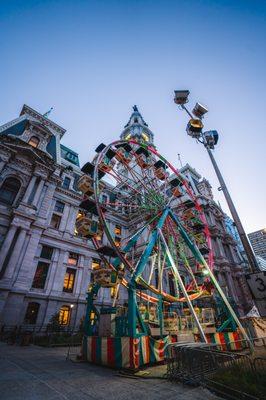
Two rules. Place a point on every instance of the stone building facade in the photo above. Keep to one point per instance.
(45, 266)
(258, 242)
(229, 265)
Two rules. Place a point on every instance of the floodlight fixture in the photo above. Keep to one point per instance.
(211, 138)
(199, 110)
(181, 97)
(194, 128)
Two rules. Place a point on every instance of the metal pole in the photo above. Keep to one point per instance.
(183, 288)
(247, 247)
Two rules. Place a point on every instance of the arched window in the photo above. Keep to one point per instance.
(64, 315)
(34, 141)
(32, 313)
(9, 190)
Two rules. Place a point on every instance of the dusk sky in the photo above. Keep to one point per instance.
(93, 60)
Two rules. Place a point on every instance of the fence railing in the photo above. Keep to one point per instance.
(40, 335)
(223, 371)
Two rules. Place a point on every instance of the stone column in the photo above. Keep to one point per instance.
(24, 276)
(15, 254)
(70, 225)
(52, 272)
(220, 247)
(7, 243)
(78, 286)
(29, 189)
(58, 282)
(38, 193)
(47, 201)
(65, 217)
(231, 286)
(86, 272)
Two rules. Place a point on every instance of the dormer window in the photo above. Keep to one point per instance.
(34, 141)
(136, 120)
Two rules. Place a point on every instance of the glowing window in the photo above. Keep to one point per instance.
(69, 280)
(34, 141)
(40, 275)
(128, 137)
(118, 230)
(113, 293)
(117, 241)
(64, 315)
(95, 264)
(145, 137)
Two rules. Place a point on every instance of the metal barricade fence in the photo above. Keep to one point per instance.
(201, 363)
(39, 335)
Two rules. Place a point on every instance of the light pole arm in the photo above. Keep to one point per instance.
(247, 247)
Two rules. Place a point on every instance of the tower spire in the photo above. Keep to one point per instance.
(137, 128)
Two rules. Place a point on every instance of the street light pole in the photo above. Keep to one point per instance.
(181, 98)
(248, 249)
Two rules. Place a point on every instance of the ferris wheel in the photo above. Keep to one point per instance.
(165, 254)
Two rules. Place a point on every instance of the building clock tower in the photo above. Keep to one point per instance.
(137, 128)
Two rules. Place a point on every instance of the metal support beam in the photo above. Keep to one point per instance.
(178, 277)
(147, 252)
(202, 261)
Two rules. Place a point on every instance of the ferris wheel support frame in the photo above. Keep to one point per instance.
(133, 310)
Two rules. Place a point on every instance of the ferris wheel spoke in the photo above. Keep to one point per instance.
(118, 176)
(152, 181)
(147, 189)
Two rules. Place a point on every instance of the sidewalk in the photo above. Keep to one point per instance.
(33, 372)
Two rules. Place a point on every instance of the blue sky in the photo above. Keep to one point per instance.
(93, 60)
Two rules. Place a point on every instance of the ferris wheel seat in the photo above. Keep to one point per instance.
(160, 173)
(107, 251)
(176, 182)
(188, 214)
(89, 168)
(88, 227)
(177, 192)
(106, 165)
(198, 226)
(204, 250)
(189, 204)
(125, 146)
(100, 147)
(89, 206)
(143, 161)
(200, 237)
(106, 277)
(123, 156)
(85, 185)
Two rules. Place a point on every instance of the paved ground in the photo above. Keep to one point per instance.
(38, 373)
